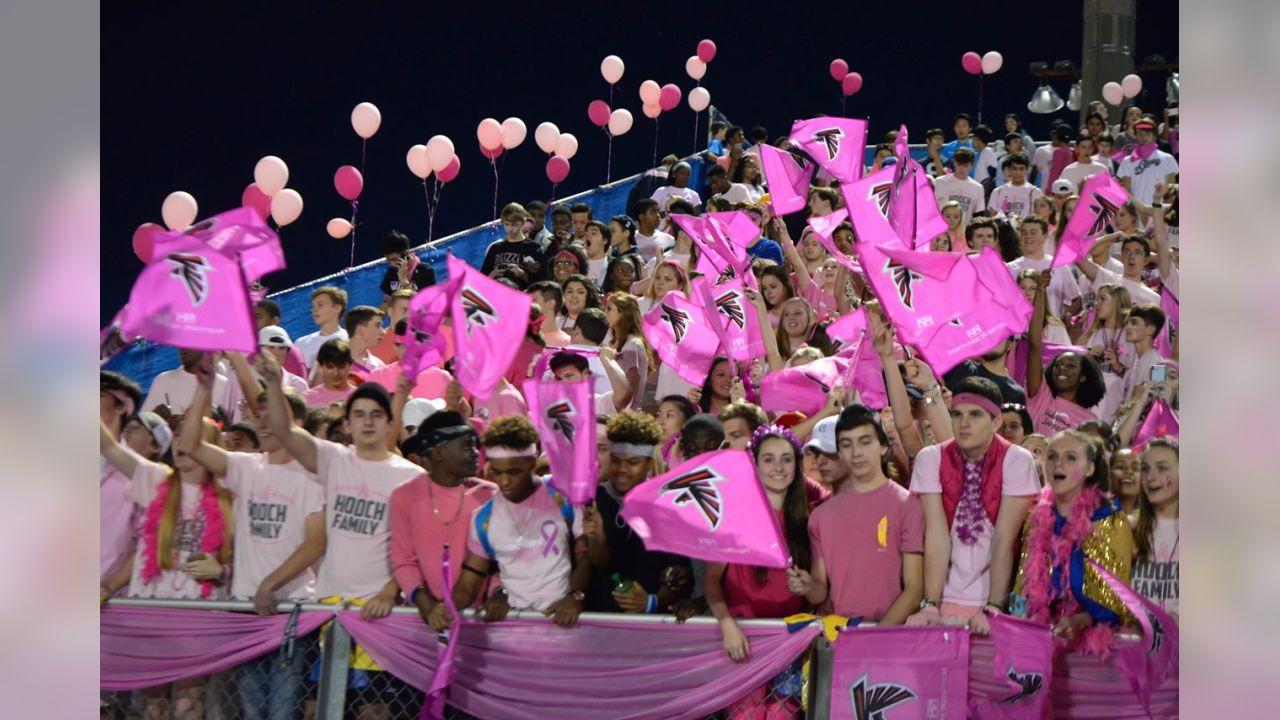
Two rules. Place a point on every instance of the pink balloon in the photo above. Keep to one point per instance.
(1131, 85)
(699, 99)
(598, 113)
(851, 83)
(254, 197)
(620, 122)
(669, 98)
(1113, 93)
(439, 150)
(491, 154)
(546, 136)
(366, 119)
(839, 68)
(338, 228)
(348, 182)
(706, 51)
(566, 145)
(992, 62)
(179, 210)
(450, 171)
(557, 169)
(489, 133)
(695, 68)
(652, 110)
(286, 206)
(514, 132)
(144, 240)
(972, 63)
(611, 69)
(417, 161)
(650, 91)
(723, 161)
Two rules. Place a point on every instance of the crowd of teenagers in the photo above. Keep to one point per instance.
(315, 470)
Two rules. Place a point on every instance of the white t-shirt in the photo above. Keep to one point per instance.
(966, 191)
(669, 383)
(272, 505)
(986, 165)
(1013, 199)
(596, 270)
(1139, 372)
(176, 387)
(737, 193)
(532, 545)
(648, 244)
(1076, 173)
(1157, 578)
(172, 583)
(1042, 163)
(1087, 291)
(309, 345)
(356, 562)
(1062, 286)
(969, 576)
(1144, 174)
(662, 194)
(1138, 292)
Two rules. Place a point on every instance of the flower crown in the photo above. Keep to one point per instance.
(769, 430)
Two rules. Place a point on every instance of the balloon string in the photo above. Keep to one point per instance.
(355, 207)
(979, 99)
(608, 167)
(655, 143)
(696, 116)
(494, 164)
(553, 192)
(843, 100)
(431, 214)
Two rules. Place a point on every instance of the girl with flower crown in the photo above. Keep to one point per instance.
(1075, 520)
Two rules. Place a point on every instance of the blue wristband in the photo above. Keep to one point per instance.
(652, 605)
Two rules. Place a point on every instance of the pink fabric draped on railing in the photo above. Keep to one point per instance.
(144, 647)
(530, 670)
(1082, 686)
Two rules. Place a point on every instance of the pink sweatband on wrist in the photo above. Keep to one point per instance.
(965, 398)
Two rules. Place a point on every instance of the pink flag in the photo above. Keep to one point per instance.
(424, 343)
(824, 228)
(902, 196)
(868, 203)
(240, 234)
(1169, 333)
(433, 702)
(191, 296)
(712, 239)
(565, 415)
(736, 226)
(1100, 198)
(920, 291)
(837, 144)
(739, 328)
(1160, 422)
(850, 334)
(788, 176)
(711, 507)
(1024, 662)
(803, 388)
(489, 324)
(1156, 659)
(678, 330)
(900, 672)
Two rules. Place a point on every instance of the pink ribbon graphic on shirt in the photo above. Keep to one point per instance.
(550, 546)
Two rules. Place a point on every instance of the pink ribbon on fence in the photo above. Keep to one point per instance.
(433, 704)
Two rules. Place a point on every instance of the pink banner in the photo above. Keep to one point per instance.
(565, 415)
(244, 235)
(788, 177)
(902, 196)
(824, 227)
(1168, 335)
(740, 328)
(489, 325)
(1022, 669)
(901, 672)
(868, 203)
(837, 144)
(1100, 198)
(803, 388)
(712, 239)
(424, 343)
(711, 507)
(1151, 662)
(1161, 421)
(678, 330)
(920, 291)
(851, 335)
(191, 296)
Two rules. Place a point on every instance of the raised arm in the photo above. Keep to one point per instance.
(792, 255)
(116, 452)
(297, 441)
(249, 387)
(622, 390)
(190, 439)
(882, 340)
(1131, 413)
(1035, 335)
(920, 375)
(772, 355)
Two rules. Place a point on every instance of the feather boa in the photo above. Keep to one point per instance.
(1048, 551)
(210, 538)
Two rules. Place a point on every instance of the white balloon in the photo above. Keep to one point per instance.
(620, 121)
(1113, 93)
(567, 146)
(546, 137)
(611, 69)
(695, 67)
(992, 62)
(439, 152)
(650, 91)
(366, 119)
(286, 206)
(417, 161)
(513, 133)
(271, 174)
(338, 228)
(179, 210)
(1131, 85)
(699, 99)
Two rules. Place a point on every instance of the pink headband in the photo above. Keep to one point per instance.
(125, 400)
(975, 399)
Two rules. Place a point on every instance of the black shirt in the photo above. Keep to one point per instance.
(627, 557)
(1010, 390)
(504, 252)
(423, 277)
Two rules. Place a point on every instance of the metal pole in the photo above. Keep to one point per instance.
(820, 682)
(1107, 52)
(331, 697)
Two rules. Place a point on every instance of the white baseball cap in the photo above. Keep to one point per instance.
(274, 335)
(1063, 186)
(419, 409)
(823, 437)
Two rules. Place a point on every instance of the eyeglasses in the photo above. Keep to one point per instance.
(566, 263)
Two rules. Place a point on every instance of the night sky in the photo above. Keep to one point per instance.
(194, 94)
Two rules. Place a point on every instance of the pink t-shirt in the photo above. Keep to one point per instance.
(431, 383)
(861, 538)
(321, 397)
(969, 579)
(357, 492)
(172, 583)
(116, 515)
(418, 536)
(532, 547)
(272, 505)
(1050, 414)
(506, 400)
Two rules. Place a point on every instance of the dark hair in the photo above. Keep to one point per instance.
(510, 431)
(779, 273)
(1149, 313)
(980, 386)
(297, 406)
(643, 206)
(1021, 411)
(360, 315)
(1036, 220)
(1144, 529)
(314, 419)
(716, 171)
(270, 307)
(795, 505)
(963, 155)
(568, 358)
(734, 130)
(575, 249)
(983, 133)
(1105, 136)
(1010, 137)
(334, 352)
(1015, 119)
(1101, 427)
(962, 116)
(980, 222)
(548, 287)
(369, 391)
(1136, 237)
(758, 134)
(594, 324)
(857, 415)
(1094, 115)
(1092, 385)
(632, 259)
(604, 229)
(680, 206)
(511, 275)
(395, 242)
(1014, 159)
(1062, 133)
(593, 295)
(535, 205)
(686, 408)
(704, 404)
(627, 223)
(1100, 476)
(247, 429)
(634, 427)
(717, 126)
(110, 380)
(701, 425)
(560, 210)
(581, 207)
(934, 132)
(753, 415)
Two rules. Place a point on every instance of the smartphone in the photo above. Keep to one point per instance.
(1159, 373)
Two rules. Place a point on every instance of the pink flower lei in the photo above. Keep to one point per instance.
(210, 538)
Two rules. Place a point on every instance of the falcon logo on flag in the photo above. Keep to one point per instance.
(190, 269)
(871, 701)
(729, 306)
(698, 486)
(817, 380)
(1030, 684)
(830, 138)
(904, 279)
(560, 415)
(1104, 212)
(678, 319)
(479, 311)
(880, 193)
(1157, 632)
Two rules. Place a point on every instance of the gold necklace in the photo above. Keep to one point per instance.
(431, 492)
